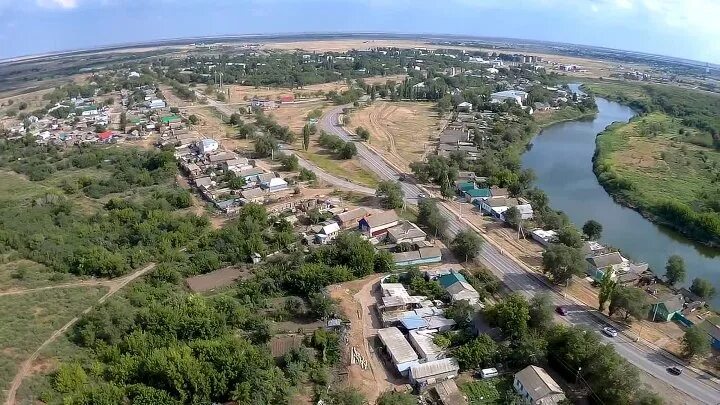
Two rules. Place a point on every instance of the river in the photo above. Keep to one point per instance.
(561, 157)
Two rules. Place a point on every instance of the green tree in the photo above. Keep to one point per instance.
(675, 270)
(390, 193)
(562, 262)
(348, 150)
(702, 288)
(466, 245)
(629, 302)
(345, 396)
(321, 306)
(511, 315)
(541, 311)
(592, 229)
(290, 163)
(306, 136)
(193, 119)
(696, 342)
(235, 119)
(123, 121)
(569, 236)
(429, 216)
(530, 348)
(69, 377)
(384, 262)
(512, 217)
(480, 352)
(264, 146)
(461, 312)
(607, 287)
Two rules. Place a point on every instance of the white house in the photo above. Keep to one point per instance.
(379, 223)
(516, 96)
(329, 231)
(156, 103)
(208, 145)
(537, 387)
(275, 184)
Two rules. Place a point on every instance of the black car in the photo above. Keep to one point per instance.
(674, 370)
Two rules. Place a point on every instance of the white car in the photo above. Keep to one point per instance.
(610, 331)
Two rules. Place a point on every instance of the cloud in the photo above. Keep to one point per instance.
(63, 4)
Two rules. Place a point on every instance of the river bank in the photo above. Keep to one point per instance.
(562, 159)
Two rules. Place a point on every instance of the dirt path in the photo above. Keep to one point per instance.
(357, 302)
(84, 283)
(114, 286)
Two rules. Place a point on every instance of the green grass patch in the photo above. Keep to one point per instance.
(28, 320)
(334, 166)
(17, 273)
(489, 391)
(545, 119)
(654, 161)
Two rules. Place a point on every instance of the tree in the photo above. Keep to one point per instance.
(384, 262)
(702, 288)
(607, 287)
(480, 352)
(123, 121)
(531, 348)
(306, 136)
(562, 262)
(569, 236)
(391, 194)
(70, 377)
(541, 311)
(511, 315)
(348, 150)
(264, 146)
(592, 229)
(466, 245)
(512, 216)
(696, 342)
(675, 270)
(363, 133)
(193, 119)
(461, 312)
(290, 163)
(629, 302)
(320, 305)
(235, 119)
(429, 216)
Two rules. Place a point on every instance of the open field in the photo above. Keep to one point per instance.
(239, 93)
(17, 273)
(294, 115)
(546, 118)
(349, 169)
(31, 318)
(401, 131)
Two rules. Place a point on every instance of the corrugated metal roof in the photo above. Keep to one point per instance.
(432, 368)
(396, 344)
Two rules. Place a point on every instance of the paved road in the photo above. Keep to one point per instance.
(700, 387)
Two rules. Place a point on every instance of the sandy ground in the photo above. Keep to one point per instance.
(384, 79)
(401, 131)
(344, 45)
(356, 300)
(294, 115)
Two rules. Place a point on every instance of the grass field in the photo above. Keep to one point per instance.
(17, 273)
(487, 392)
(28, 320)
(348, 169)
(662, 164)
(546, 118)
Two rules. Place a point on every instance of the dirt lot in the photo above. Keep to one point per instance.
(384, 79)
(356, 300)
(401, 131)
(294, 115)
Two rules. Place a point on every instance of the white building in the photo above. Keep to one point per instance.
(422, 341)
(208, 145)
(516, 96)
(433, 372)
(156, 103)
(537, 387)
(400, 351)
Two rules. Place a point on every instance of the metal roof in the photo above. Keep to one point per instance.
(432, 368)
(537, 382)
(397, 345)
(413, 322)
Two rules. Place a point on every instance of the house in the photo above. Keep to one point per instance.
(204, 182)
(406, 232)
(448, 393)
(466, 175)
(288, 98)
(105, 136)
(664, 307)
(329, 231)
(424, 255)
(463, 186)
(711, 326)
(463, 291)
(499, 192)
(250, 175)
(155, 104)
(454, 137)
(219, 158)
(255, 195)
(446, 280)
(515, 96)
(378, 224)
(351, 217)
(475, 194)
(544, 237)
(422, 341)
(496, 206)
(465, 106)
(274, 185)
(170, 119)
(431, 372)
(536, 386)
(208, 145)
(598, 265)
(397, 347)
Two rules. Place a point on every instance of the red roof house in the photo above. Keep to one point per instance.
(287, 98)
(105, 136)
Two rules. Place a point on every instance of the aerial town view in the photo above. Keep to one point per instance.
(342, 217)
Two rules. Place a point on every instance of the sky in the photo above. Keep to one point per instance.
(681, 28)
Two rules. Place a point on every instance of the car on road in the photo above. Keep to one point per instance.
(561, 310)
(674, 370)
(612, 332)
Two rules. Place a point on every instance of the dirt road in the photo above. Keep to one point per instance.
(114, 286)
